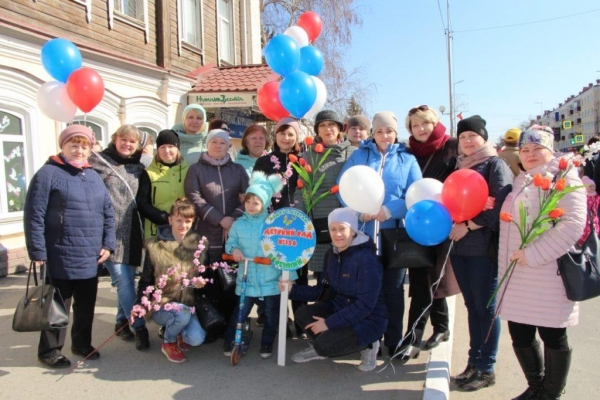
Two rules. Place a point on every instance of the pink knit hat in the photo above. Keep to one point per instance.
(76, 130)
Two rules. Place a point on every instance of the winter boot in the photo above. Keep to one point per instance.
(532, 364)
(557, 364)
(412, 349)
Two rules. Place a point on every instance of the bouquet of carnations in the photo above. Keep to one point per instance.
(308, 182)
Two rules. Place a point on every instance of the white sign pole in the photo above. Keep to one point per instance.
(283, 319)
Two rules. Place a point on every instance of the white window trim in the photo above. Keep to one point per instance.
(233, 22)
(181, 43)
(116, 15)
(147, 112)
(88, 8)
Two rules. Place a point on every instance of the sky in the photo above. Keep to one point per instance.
(505, 72)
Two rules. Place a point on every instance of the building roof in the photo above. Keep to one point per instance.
(241, 78)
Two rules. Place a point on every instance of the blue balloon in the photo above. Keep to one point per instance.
(298, 93)
(61, 57)
(428, 223)
(311, 60)
(282, 54)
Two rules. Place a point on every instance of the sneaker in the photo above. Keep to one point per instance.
(90, 353)
(227, 349)
(124, 333)
(368, 357)
(183, 346)
(266, 351)
(307, 355)
(142, 339)
(260, 321)
(173, 352)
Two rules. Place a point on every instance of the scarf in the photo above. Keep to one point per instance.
(479, 156)
(112, 152)
(434, 142)
(214, 161)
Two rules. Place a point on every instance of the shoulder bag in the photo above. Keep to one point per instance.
(42, 308)
(398, 250)
(208, 315)
(579, 269)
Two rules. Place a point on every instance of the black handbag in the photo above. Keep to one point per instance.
(42, 308)
(322, 230)
(208, 315)
(579, 269)
(398, 250)
(226, 279)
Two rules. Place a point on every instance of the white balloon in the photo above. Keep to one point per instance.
(54, 101)
(362, 189)
(320, 101)
(424, 189)
(298, 34)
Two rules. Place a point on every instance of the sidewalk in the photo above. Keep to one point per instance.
(122, 372)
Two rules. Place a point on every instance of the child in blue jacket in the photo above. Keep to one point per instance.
(262, 281)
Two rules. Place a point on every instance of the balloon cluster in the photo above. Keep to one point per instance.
(432, 206)
(300, 93)
(74, 86)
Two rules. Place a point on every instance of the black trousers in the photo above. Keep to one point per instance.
(83, 294)
(523, 336)
(302, 280)
(420, 298)
(332, 342)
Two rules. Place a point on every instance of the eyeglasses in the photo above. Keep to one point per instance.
(420, 108)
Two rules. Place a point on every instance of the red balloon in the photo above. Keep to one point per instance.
(269, 103)
(85, 88)
(464, 194)
(312, 24)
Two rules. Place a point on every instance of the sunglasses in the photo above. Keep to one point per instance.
(420, 108)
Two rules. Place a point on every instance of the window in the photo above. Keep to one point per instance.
(12, 168)
(191, 22)
(97, 129)
(131, 8)
(225, 30)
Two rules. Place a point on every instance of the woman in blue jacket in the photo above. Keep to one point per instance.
(398, 169)
(352, 316)
(69, 224)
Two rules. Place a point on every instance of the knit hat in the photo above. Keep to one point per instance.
(193, 107)
(327, 115)
(358, 120)
(383, 119)
(76, 130)
(264, 187)
(474, 124)
(538, 136)
(291, 122)
(344, 216)
(218, 133)
(167, 136)
(512, 135)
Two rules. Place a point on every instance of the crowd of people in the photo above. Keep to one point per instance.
(175, 213)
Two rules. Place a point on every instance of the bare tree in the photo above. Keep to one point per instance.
(340, 18)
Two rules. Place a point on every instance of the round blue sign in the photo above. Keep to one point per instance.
(288, 239)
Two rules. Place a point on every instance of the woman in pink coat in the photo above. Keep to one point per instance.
(534, 297)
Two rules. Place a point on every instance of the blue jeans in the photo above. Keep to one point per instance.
(271, 311)
(477, 278)
(123, 276)
(393, 293)
(180, 322)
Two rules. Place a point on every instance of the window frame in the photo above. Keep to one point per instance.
(231, 21)
(142, 24)
(181, 28)
(5, 215)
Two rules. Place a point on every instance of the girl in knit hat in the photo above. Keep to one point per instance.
(244, 243)
(192, 135)
(162, 183)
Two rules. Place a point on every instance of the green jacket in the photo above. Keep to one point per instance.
(166, 186)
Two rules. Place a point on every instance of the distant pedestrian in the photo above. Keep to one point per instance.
(510, 152)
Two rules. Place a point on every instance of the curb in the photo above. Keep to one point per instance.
(437, 380)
